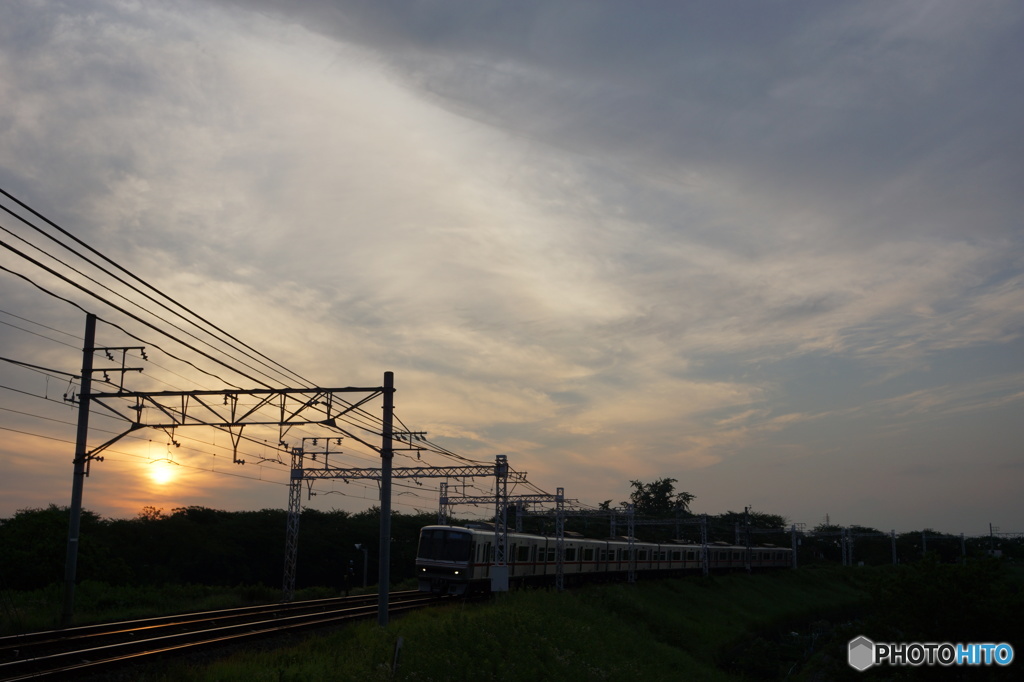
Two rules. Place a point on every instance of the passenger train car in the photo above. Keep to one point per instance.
(457, 560)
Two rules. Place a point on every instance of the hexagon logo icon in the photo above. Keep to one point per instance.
(861, 653)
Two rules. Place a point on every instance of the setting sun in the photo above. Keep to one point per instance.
(162, 472)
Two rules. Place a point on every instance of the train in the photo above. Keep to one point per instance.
(459, 560)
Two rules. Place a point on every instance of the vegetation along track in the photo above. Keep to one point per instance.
(85, 650)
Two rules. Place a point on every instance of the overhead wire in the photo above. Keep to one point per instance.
(356, 417)
(126, 332)
(116, 293)
(132, 275)
(130, 335)
(42, 336)
(350, 421)
(40, 324)
(142, 282)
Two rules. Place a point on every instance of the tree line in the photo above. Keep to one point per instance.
(198, 545)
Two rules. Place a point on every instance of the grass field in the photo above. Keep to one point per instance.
(709, 629)
(787, 624)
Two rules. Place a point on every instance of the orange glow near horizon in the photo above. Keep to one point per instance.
(163, 472)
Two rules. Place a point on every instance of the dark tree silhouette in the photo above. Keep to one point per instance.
(659, 498)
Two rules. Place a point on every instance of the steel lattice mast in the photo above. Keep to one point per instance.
(499, 582)
(176, 409)
(384, 475)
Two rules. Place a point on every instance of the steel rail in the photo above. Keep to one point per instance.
(90, 649)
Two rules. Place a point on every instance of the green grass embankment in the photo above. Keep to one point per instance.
(655, 630)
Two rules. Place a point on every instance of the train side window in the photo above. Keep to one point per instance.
(588, 554)
(570, 554)
(551, 553)
(523, 553)
(677, 556)
(690, 556)
(643, 555)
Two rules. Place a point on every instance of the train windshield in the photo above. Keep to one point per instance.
(446, 545)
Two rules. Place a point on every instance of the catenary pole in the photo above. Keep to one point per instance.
(78, 480)
(386, 456)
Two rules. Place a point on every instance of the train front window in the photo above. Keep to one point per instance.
(445, 545)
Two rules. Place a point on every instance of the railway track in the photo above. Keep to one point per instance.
(93, 649)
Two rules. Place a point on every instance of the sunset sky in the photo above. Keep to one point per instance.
(772, 250)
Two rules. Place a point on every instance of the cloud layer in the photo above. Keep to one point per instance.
(752, 248)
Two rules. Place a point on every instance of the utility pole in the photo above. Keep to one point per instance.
(792, 540)
(174, 409)
(499, 567)
(386, 457)
(291, 535)
(560, 539)
(631, 529)
(391, 473)
(746, 532)
(704, 559)
(78, 480)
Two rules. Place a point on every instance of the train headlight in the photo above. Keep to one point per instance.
(456, 572)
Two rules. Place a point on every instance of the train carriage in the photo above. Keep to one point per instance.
(459, 560)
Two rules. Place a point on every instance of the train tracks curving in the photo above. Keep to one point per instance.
(93, 649)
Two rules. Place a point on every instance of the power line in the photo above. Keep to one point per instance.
(29, 331)
(39, 324)
(357, 417)
(136, 318)
(118, 294)
(141, 281)
(36, 435)
(44, 370)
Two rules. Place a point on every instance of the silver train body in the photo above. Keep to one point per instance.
(457, 560)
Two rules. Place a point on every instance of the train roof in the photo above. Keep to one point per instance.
(484, 527)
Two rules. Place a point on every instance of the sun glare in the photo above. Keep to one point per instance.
(162, 473)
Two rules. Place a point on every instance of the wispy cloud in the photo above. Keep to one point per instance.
(648, 239)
